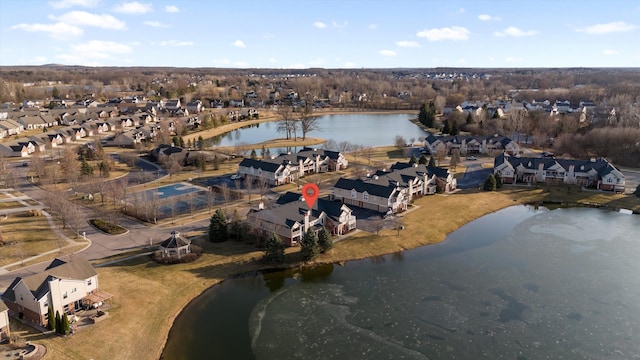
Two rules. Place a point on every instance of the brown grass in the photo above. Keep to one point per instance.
(39, 239)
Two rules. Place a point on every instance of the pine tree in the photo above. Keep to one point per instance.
(273, 250)
(65, 325)
(413, 160)
(51, 320)
(85, 168)
(431, 115)
(432, 161)
(454, 129)
(309, 245)
(423, 160)
(422, 115)
(490, 183)
(253, 154)
(469, 119)
(446, 128)
(58, 324)
(200, 142)
(325, 242)
(216, 162)
(637, 192)
(218, 227)
(498, 177)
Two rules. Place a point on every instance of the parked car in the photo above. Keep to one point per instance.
(472, 158)
(236, 177)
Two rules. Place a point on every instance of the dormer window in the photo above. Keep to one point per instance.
(354, 194)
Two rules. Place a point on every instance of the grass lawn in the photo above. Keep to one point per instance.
(39, 239)
(10, 204)
(148, 296)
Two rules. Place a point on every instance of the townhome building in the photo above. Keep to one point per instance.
(391, 191)
(593, 173)
(467, 144)
(291, 217)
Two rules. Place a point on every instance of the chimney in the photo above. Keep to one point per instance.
(307, 215)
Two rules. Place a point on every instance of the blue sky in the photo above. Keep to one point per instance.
(327, 34)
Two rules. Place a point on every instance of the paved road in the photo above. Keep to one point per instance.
(102, 245)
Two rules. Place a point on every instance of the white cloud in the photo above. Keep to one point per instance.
(133, 8)
(319, 24)
(617, 26)
(171, 9)
(339, 26)
(176, 43)
(455, 33)
(239, 43)
(514, 31)
(157, 24)
(407, 43)
(83, 18)
(373, 26)
(63, 4)
(58, 30)
(387, 52)
(487, 17)
(90, 52)
(610, 52)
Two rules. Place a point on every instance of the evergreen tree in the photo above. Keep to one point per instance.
(422, 115)
(181, 141)
(51, 320)
(490, 183)
(325, 242)
(431, 115)
(55, 93)
(498, 177)
(413, 160)
(263, 152)
(200, 142)
(85, 168)
(423, 160)
(103, 166)
(309, 245)
(253, 154)
(273, 250)
(218, 227)
(454, 129)
(446, 128)
(469, 118)
(64, 328)
(267, 154)
(175, 141)
(58, 324)
(432, 161)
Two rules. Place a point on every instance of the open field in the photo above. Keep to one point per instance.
(147, 296)
(23, 244)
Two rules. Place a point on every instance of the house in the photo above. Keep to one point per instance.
(31, 122)
(5, 332)
(271, 171)
(65, 286)
(174, 152)
(173, 105)
(291, 218)
(11, 126)
(16, 149)
(194, 106)
(593, 173)
(174, 246)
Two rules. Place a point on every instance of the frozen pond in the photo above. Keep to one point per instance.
(517, 284)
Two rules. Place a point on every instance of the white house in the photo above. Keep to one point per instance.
(64, 286)
(4, 322)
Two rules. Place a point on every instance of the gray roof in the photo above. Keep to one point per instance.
(78, 269)
(3, 307)
(333, 209)
(600, 165)
(268, 165)
(175, 241)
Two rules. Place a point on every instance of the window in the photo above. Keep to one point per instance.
(64, 296)
(354, 194)
(73, 290)
(89, 282)
(365, 197)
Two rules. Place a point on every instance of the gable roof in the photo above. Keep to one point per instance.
(38, 284)
(600, 165)
(270, 166)
(331, 208)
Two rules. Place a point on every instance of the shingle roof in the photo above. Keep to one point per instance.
(269, 166)
(175, 241)
(79, 269)
(601, 166)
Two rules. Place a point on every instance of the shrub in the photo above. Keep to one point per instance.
(107, 227)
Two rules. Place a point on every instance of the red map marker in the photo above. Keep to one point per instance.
(310, 193)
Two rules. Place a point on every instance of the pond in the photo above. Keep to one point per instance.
(362, 129)
(521, 283)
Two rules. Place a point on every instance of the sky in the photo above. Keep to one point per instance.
(283, 34)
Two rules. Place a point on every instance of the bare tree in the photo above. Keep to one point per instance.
(344, 146)
(248, 181)
(288, 124)
(455, 159)
(69, 164)
(367, 152)
(262, 185)
(307, 121)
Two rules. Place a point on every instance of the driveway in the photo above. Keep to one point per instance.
(474, 176)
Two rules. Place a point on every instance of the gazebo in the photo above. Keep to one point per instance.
(175, 245)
